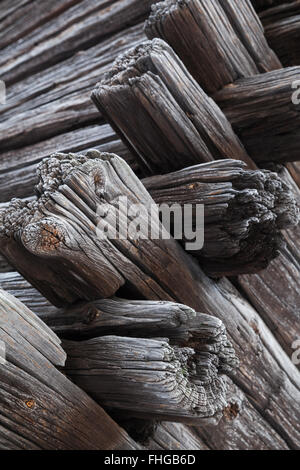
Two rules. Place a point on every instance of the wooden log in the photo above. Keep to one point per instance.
(218, 41)
(13, 26)
(263, 114)
(35, 395)
(282, 29)
(175, 436)
(59, 38)
(21, 164)
(150, 379)
(161, 113)
(240, 420)
(59, 97)
(278, 302)
(145, 319)
(265, 4)
(244, 212)
(80, 260)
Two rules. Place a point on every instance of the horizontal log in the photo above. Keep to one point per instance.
(263, 114)
(21, 164)
(161, 113)
(80, 260)
(34, 394)
(13, 27)
(218, 41)
(79, 27)
(244, 213)
(149, 378)
(59, 98)
(282, 29)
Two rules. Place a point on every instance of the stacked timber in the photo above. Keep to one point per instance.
(220, 41)
(161, 113)
(243, 213)
(282, 29)
(40, 408)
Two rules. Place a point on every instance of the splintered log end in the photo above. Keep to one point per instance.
(244, 213)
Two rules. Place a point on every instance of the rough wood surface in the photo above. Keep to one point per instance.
(78, 27)
(149, 377)
(263, 114)
(244, 211)
(58, 99)
(161, 113)
(39, 407)
(282, 29)
(219, 41)
(21, 164)
(61, 228)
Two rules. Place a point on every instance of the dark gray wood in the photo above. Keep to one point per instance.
(60, 229)
(282, 29)
(263, 114)
(79, 27)
(175, 436)
(244, 213)
(161, 113)
(151, 379)
(39, 407)
(21, 164)
(219, 41)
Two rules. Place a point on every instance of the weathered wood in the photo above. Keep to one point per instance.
(263, 114)
(21, 164)
(175, 436)
(58, 99)
(144, 319)
(80, 26)
(244, 211)
(282, 29)
(21, 20)
(161, 113)
(39, 407)
(219, 41)
(276, 301)
(240, 420)
(151, 379)
(79, 259)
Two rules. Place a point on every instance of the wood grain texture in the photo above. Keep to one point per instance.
(263, 114)
(81, 26)
(40, 408)
(152, 379)
(80, 261)
(219, 41)
(244, 211)
(161, 113)
(282, 29)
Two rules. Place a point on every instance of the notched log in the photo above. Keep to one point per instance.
(40, 408)
(57, 244)
(219, 41)
(176, 380)
(161, 113)
(244, 213)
